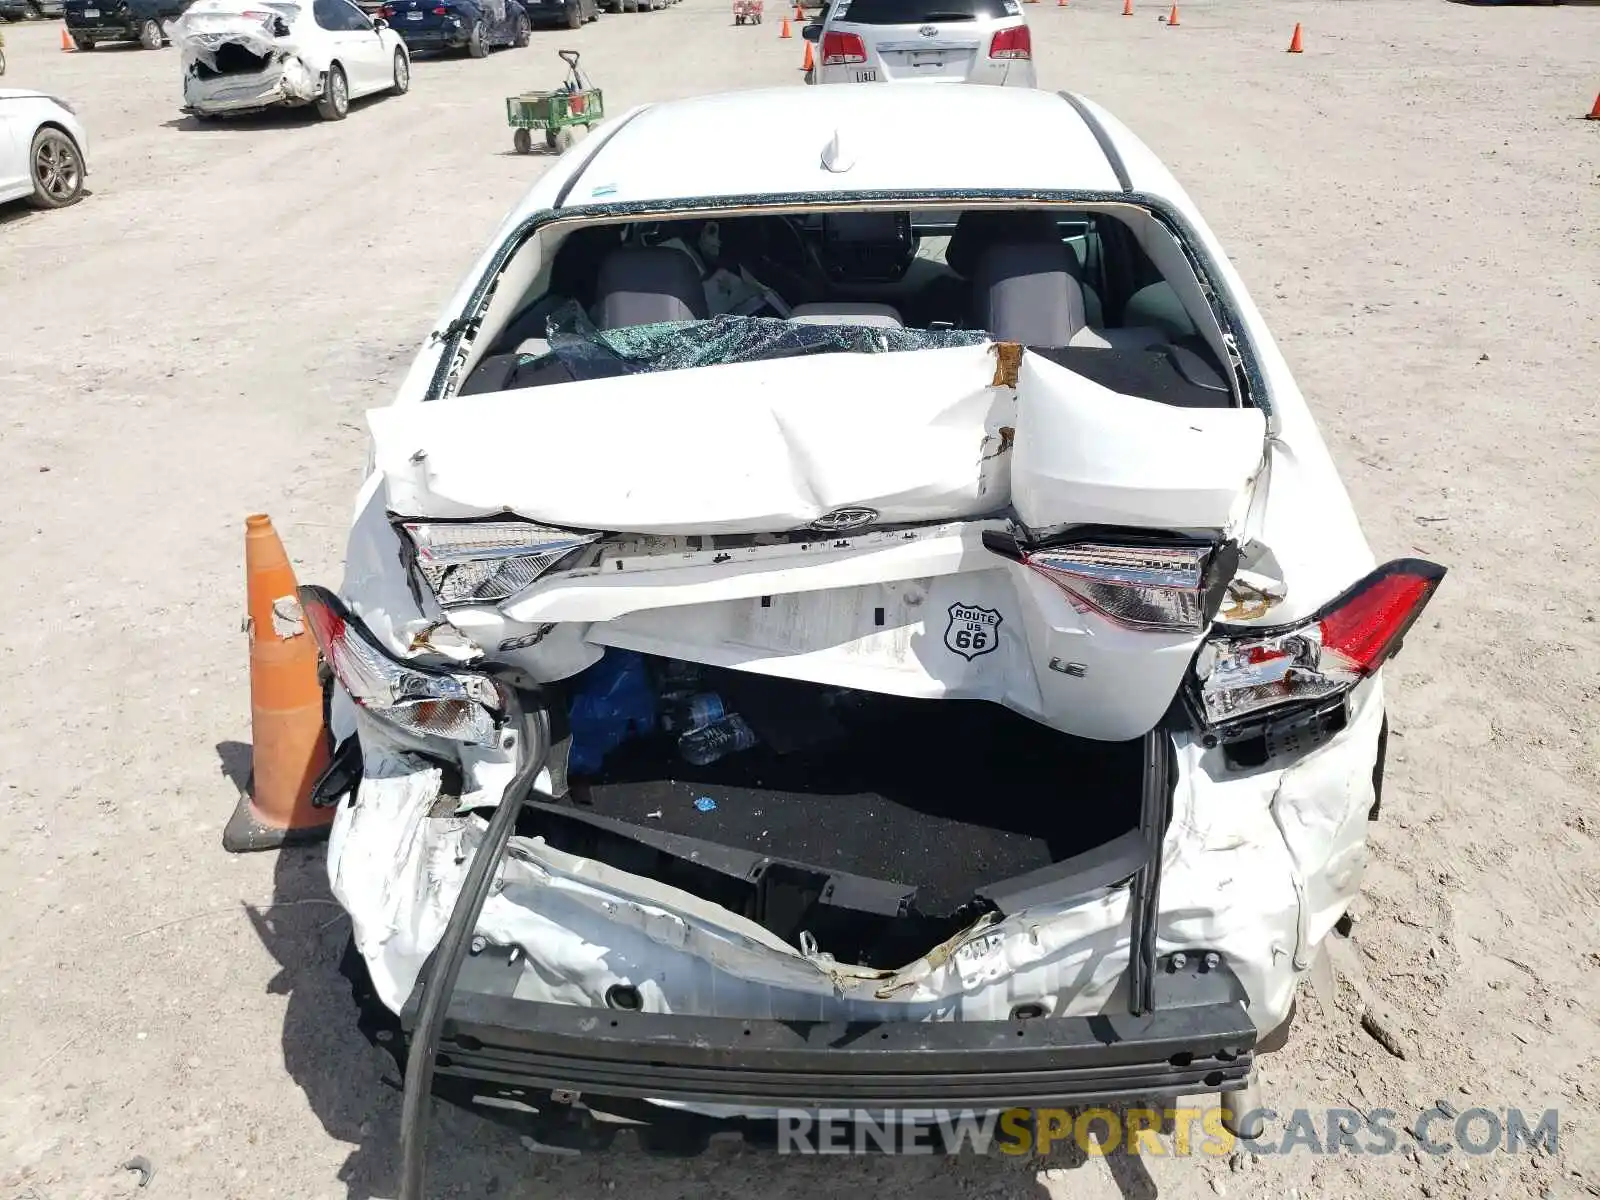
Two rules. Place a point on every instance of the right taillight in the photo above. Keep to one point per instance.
(842, 49)
(1012, 43)
(1239, 672)
(386, 12)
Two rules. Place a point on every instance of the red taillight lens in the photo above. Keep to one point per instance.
(1367, 627)
(842, 49)
(1241, 672)
(1012, 43)
(386, 12)
(441, 11)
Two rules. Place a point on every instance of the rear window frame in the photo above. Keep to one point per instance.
(921, 12)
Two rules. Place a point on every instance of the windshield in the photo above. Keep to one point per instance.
(918, 12)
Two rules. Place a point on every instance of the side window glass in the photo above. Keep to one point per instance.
(354, 18)
(326, 14)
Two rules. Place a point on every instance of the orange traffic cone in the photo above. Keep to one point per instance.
(66, 42)
(1061, 3)
(1127, 8)
(1173, 19)
(1295, 44)
(799, 11)
(807, 62)
(290, 747)
(1594, 113)
(784, 32)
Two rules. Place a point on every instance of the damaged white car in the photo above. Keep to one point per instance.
(880, 625)
(241, 56)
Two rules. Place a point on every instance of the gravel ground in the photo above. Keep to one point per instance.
(1417, 209)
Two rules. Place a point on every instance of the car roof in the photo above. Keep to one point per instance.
(915, 137)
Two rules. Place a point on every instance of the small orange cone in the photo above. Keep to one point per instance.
(1061, 3)
(290, 744)
(784, 32)
(66, 42)
(1295, 44)
(1173, 19)
(799, 11)
(1594, 113)
(807, 62)
(1127, 8)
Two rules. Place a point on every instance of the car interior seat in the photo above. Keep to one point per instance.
(1025, 292)
(639, 285)
(979, 230)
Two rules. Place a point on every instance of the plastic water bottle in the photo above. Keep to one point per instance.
(687, 713)
(705, 745)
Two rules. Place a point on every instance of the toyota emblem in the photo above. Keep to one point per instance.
(929, 31)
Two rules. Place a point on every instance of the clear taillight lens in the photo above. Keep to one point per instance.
(1240, 673)
(1012, 43)
(842, 49)
(482, 562)
(461, 707)
(1140, 587)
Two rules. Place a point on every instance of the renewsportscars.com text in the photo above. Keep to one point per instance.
(1160, 1132)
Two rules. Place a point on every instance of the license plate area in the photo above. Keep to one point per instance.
(413, 16)
(868, 76)
(91, 13)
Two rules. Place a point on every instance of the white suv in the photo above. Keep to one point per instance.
(919, 41)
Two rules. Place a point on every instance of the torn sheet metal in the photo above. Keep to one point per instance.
(924, 435)
(1088, 455)
(1252, 864)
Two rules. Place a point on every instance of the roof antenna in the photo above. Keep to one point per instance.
(834, 156)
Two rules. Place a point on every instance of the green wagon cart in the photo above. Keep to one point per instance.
(557, 113)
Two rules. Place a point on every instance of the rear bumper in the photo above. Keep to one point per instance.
(1199, 1039)
(544, 15)
(104, 31)
(433, 39)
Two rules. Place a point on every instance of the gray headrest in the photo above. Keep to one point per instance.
(638, 285)
(1025, 292)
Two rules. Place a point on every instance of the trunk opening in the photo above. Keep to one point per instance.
(230, 58)
(878, 825)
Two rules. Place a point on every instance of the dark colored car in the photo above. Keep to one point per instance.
(563, 14)
(29, 10)
(91, 22)
(468, 25)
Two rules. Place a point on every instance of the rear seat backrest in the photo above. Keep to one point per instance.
(1025, 292)
(639, 285)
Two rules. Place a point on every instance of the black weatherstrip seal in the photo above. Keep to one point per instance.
(566, 188)
(1107, 146)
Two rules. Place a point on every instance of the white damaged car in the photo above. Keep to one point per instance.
(241, 56)
(854, 625)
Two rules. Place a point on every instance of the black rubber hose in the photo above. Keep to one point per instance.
(440, 983)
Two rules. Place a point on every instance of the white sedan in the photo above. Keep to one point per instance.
(891, 578)
(43, 151)
(243, 56)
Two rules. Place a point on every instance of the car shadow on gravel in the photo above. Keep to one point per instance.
(302, 117)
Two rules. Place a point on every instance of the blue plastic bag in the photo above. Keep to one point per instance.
(611, 702)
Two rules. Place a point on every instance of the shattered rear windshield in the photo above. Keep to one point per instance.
(585, 351)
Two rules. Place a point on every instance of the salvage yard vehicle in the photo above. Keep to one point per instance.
(470, 25)
(247, 55)
(90, 22)
(844, 624)
(29, 10)
(567, 14)
(43, 149)
(922, 41)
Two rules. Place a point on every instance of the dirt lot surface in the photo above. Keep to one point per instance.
(1417, 210)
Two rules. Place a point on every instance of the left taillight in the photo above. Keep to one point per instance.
(843, 49)
(1016, 42)
(456, 706)
(482, 562)
(1241, 672)
(386, 12)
